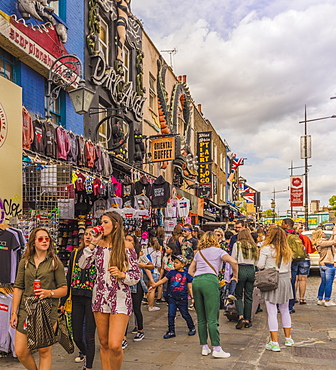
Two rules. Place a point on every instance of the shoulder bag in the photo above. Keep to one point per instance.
(268, 279)
(68, 302)
(208, 263)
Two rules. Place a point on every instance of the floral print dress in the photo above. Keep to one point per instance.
(110, 295)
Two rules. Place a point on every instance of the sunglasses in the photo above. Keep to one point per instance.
(41, 238)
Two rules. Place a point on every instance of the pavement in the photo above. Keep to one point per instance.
(314, 333)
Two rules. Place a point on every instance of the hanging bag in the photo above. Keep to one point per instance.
(68, 302)
(268, 279)
(63, 334)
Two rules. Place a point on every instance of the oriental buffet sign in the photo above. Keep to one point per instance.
(163, 148)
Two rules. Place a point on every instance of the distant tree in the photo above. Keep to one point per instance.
(332, 202)
(268, 213)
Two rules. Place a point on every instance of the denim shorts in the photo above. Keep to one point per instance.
(304, 267)
(156, 277)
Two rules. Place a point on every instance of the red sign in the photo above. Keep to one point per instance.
(296, 191)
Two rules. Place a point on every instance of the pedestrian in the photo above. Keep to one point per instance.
(81, 282)
(138, 289)
(39, 262)
(189, 244)
(177, 237)
(219, 233)
(240, 225)
(117, 269)
(276, 253)
(204, 267)
(245, 252)
(179, 287)
(327, 265)
(160, 234)
(154, 253)
(167, 265)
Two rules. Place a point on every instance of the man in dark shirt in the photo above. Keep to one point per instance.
(240, 225)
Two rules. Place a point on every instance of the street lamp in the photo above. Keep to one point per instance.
(273, 208)
(65, 72)
(306, 154)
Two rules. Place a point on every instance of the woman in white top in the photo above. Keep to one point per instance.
(207, 262)
(276, 252)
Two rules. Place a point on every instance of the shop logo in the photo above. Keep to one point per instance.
(296, 181)
(3, 126)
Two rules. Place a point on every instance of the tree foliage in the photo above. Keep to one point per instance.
(268, 213)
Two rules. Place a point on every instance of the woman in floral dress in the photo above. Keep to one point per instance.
(117, 269)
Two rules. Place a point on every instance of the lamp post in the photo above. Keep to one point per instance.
(273, 204)
(65, 72)
(273, 209)
(306, 154)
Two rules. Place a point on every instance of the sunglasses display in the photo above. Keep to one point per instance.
(41, 238)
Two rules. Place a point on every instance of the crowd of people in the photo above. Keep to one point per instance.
(111, 275)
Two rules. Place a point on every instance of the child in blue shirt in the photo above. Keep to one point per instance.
(179, 287)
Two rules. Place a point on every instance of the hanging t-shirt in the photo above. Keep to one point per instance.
(183, 207)
(51, 145)
(39, 143)
(8, 243)
(79, 184)
(27, 129)
(81, 152)
(178, 282)
(99, 207)
(141, 202)
(115, 202)
(171, 212)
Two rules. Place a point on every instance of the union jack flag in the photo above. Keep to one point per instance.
(236, 162)
(246, 192)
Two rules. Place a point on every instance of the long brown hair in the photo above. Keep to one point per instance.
(154, 243)
(118, 255)
(30, 250)
(81, 244)
(247, 245)
(177, 233)
(208, 240)
(277, 238)
(160, 232)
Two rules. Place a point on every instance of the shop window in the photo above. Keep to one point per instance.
(7, 65)
(103, 39)
(152, 93)
(102, 131)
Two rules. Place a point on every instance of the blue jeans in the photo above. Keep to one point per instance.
(327, 272)
(182, 305)
(295, 270)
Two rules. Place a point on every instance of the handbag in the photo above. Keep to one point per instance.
(209, 264)
(63, 334)
(268, 279)
(68, 302)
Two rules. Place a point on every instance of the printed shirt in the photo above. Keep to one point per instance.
(8, 243)
(178, 282)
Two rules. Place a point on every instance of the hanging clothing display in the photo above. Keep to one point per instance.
(73, 145)
(51, 141)
(160, 192)
(40, 140)
(63, 145)
(81, 160)
(27, 129)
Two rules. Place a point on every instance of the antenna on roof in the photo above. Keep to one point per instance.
(171, 53)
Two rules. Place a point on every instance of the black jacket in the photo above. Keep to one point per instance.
(160, 192)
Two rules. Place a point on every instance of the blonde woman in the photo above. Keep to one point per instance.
(327, 265)
(207, 262)
(39, 262)
(276, 253)
(245, 252)
(117, 269)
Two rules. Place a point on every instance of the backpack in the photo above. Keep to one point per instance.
(297, 247)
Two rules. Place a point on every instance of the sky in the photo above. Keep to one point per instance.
(254, 65)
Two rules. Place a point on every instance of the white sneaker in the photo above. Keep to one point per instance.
(320, 302)
(206, 351)
(220, 354)
(150, 309)
(329, 304)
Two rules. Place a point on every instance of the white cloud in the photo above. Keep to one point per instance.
(253, 66)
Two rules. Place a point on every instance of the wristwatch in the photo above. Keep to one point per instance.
(52, 293)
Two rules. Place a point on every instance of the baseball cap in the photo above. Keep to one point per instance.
(181, 259)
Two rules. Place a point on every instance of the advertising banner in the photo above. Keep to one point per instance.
(296, 191)
(163, 149)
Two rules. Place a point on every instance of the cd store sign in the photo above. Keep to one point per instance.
(204, 141)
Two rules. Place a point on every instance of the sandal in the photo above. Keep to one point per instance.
(302, 301)
(240, 323)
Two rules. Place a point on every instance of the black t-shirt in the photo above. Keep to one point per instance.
(8, 244)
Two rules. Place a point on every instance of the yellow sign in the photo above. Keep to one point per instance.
(10, 150)
(163, 149)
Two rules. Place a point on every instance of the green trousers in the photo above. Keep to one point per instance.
(246, 276)
(206, 295)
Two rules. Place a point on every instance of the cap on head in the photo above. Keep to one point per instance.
(181, 259)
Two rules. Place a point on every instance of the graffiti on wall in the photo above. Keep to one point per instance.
(10, 208)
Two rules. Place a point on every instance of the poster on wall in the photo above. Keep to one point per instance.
(296, 191)
(10, 150)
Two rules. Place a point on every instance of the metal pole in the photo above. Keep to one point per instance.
(306, 170)
(274, 206)
(291, 208)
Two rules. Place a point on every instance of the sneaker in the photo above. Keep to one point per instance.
(206, 351)
(124, 344)
(79, 358)
(139, 336)
(292, 311)
(192, 332)
(169, 334)
(191, 307)
(272, 347)
(158, 301)
(220, 354)
(320, 302)
(150, 309)
(289, 342)
(135, 330)
(329, 304)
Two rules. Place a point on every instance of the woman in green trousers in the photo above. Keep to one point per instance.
(207, 262)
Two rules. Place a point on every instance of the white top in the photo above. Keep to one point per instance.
(237, 254)
(214, 256)
(267, 260)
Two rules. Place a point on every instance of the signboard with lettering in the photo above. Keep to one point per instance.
(296, 191)
(204, 167)
(163, 148)
(204, 147)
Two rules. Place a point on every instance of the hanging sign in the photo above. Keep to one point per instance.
(204, 144)
(163, 149)
(296, 191)
(204, 147)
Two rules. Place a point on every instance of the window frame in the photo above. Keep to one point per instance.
(4, 56)
(104, 25)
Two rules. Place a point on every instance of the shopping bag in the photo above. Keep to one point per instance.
(63, 334)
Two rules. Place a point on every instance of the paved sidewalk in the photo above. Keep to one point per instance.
(314, 333)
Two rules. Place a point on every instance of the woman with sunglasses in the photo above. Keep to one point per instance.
(39, 262)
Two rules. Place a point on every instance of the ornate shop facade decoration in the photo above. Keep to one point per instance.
(115, 64)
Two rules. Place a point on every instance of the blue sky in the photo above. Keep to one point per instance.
(253, 65)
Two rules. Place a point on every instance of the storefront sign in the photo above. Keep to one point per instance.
(163, 149)
(205, 191)
(296, 191)
(204, 147)
(10, 150)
